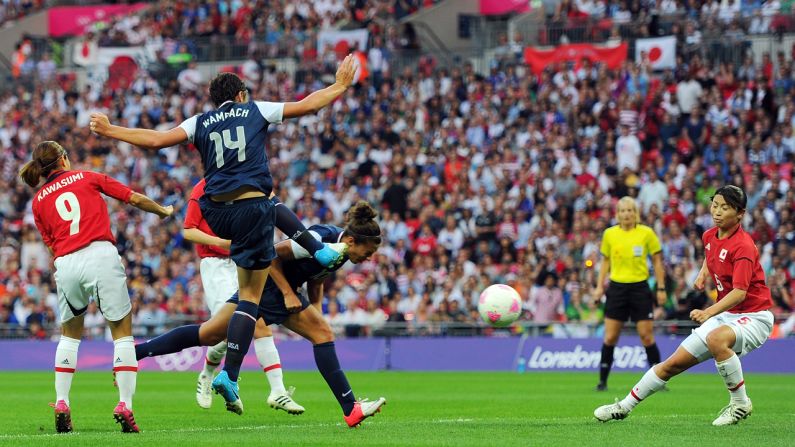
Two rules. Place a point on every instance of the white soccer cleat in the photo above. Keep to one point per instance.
(204, 391)
(284, 401)
(733, 413)
(611, 412)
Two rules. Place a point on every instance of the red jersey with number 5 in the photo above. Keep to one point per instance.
(70, 212)
(733, 263)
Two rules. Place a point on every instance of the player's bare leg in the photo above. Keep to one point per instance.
(646, 334)
(654, 380)
(720, 343)
(65, 366)
(125, 367)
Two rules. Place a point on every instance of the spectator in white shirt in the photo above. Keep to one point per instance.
(46, 68)
(377, 61)
(653, 192)
(451, 237)
(688, 93)
(628, 151)
(190, 79)
(729, 10)
(760, 24)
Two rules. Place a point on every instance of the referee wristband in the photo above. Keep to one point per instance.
(661, 289)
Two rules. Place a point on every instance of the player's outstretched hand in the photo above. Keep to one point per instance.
(167, 212)
(292, 303)
(346, 71)
(699, 316)
(99, 124)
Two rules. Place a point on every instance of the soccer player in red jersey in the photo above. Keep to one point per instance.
(219, 280)
(73, 220)
(739, 321)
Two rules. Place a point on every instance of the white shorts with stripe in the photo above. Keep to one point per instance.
(219, 279)
(94, 271)
(750, 329)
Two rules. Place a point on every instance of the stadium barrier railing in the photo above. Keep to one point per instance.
(391, 329)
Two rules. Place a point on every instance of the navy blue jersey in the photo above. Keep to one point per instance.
(231, 141)
(300, 271)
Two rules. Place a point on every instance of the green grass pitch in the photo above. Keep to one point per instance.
(424, 409)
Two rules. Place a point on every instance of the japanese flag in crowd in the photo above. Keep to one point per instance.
(661, 51)
(342, 42)
(360, 60)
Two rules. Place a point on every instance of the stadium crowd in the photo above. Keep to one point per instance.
(269, 28)
(16, 9)
(480, 178)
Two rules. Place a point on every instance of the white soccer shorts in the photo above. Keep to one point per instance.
(750, 329)
(93, 271)
(219, 279)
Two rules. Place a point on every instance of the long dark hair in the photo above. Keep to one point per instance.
(361, 225)
(43, 161)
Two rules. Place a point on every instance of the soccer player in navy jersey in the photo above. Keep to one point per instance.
(283, 303)
(236, 204)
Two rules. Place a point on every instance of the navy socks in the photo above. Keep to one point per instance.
(174, 340)
(289, 224)
(329, 367)
(238, 337)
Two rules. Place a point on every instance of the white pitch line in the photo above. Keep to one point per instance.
(215, 429)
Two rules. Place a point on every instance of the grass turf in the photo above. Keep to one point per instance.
(424, 409)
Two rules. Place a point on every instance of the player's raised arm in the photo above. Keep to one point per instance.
(146, 138)
(321, 98)
(144, 203)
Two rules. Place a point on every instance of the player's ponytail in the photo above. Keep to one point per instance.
(361, 225)
(43, 161)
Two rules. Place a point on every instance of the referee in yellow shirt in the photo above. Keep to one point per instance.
(625, 248)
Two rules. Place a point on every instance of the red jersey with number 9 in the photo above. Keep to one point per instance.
(733, 263)
(70, 212)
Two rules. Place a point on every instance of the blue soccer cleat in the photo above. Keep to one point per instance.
(331, 255)
(229, 391)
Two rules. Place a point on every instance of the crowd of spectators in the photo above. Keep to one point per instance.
(269, 28)
(705, 22)
(12, 10)
(499, 177)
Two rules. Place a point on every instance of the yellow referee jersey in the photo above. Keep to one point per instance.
(628, 252)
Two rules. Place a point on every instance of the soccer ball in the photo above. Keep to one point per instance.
(499, 305)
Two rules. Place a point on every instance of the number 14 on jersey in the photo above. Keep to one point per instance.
(224, 140)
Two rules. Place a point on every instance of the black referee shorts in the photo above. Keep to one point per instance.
(627, 301)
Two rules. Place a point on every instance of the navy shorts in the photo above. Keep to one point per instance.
(248, 223)
(271, 306)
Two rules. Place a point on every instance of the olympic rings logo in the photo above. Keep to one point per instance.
(180, 361)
